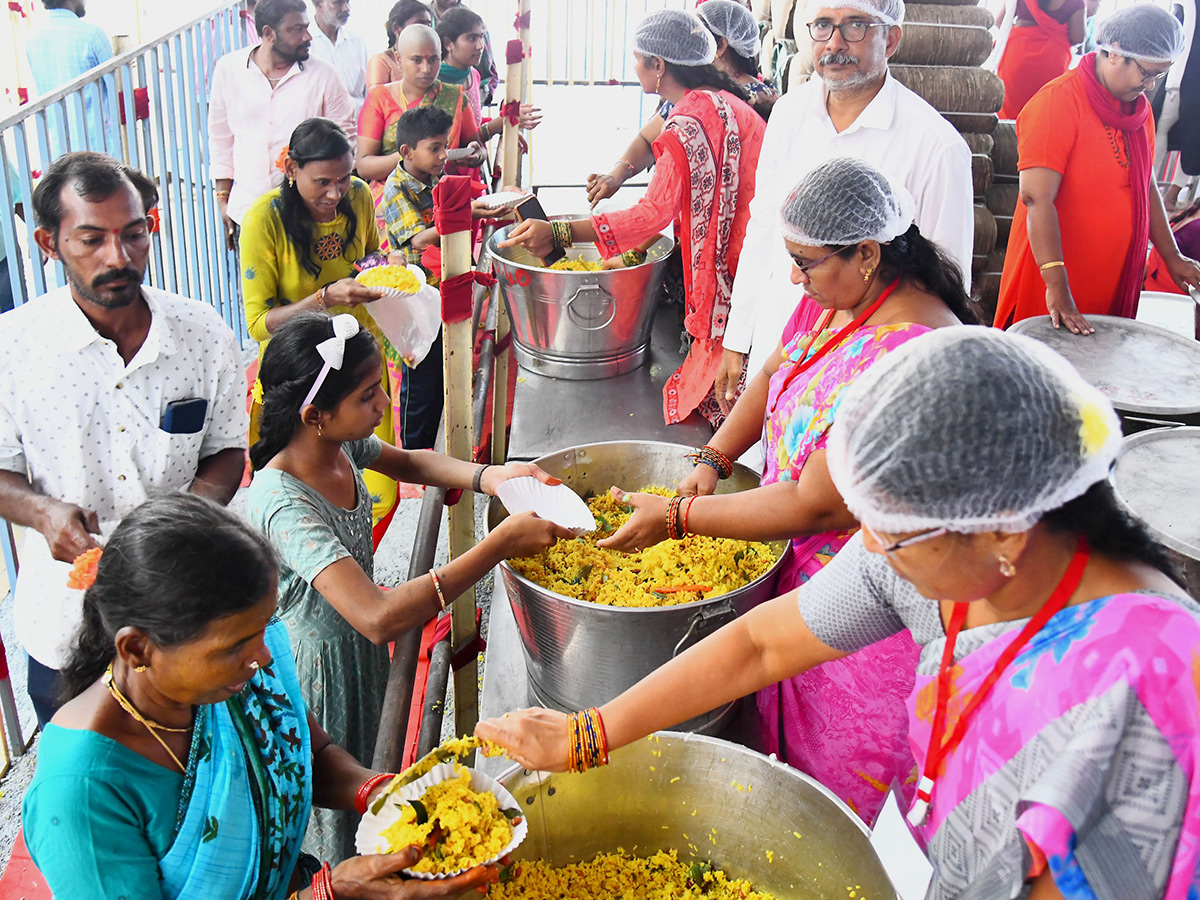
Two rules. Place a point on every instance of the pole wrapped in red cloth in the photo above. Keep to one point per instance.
(452, 204)
(457, 302)
(514, 52)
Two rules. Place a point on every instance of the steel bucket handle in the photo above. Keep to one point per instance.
(582, 322)
(722, 610)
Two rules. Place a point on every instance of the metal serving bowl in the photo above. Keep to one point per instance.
(644, 800)
(581, 654)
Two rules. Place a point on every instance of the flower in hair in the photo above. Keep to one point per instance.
(256, 391)
(282, 160)
(83, 572)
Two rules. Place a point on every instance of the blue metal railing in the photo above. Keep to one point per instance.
(148, 108)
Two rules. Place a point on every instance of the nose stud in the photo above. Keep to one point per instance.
(254, 664)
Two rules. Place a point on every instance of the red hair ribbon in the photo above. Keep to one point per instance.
(514, 52)
(521, 21)
(457, 302)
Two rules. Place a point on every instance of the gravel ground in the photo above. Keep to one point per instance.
(391, 567)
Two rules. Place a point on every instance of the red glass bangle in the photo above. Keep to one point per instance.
(687, 512)
(322, 884)
(364, 792)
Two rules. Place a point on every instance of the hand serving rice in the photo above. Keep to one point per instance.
(459, 826)
(397, 278)
(671, 572)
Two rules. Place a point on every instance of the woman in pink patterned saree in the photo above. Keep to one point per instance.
(881, 283)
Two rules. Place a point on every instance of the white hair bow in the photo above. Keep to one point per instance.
(333, 351)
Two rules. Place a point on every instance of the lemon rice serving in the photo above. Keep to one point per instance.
(576, 265)
(395, 277)
(666, 574)
(660, 877)
(458, 827)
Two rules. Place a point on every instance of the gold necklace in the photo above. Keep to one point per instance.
(153, 727)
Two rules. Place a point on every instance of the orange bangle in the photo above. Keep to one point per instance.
(687, 512)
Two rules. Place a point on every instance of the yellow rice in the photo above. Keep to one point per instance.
(577, 568)
(576, 265)
(471, 827)
(397, 277)
(660, 877)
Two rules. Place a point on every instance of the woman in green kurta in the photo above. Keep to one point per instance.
(321, 399)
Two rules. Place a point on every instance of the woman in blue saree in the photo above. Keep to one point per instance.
(185, 763)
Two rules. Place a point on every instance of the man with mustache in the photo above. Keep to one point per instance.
(340, 47)
(853, 107)
(110, 391)
(258, 97)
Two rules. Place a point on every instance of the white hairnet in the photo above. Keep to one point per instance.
(972, 429)
(844, 201)
(1143, 31)
(675, 36)
(734, 22)
(890, 12)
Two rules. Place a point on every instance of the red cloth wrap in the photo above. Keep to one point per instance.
(18, 8)
(514, 52)
(457, 302)
(511, 111)
(452, 204)
(522, 21)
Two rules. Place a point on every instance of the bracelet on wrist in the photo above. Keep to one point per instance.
(673, 518)
(630, 168)
(560, 229)
(633, 257)
(687, 512)
(364, 791)
(1053, 264)
(222, 195)
(437, 586)
(711, 456)
(587, 743)
(322, 884)
(321, 296)
(477, 481)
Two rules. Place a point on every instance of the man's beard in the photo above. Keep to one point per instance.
(299, 53)
(91, 293)
(846, 82)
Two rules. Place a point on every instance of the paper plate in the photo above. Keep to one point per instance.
(558, 503)
(505, 199)
(368, 839)
(422, 282)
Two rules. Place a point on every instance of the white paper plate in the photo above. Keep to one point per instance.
(558, 503)
(422, 282)
(368, 839)
(505, 199)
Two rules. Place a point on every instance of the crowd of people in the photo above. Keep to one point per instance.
(967, 616)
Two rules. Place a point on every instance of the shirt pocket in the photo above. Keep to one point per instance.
(176, 458)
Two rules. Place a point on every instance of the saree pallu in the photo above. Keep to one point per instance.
(1033, 57)
(1082, 760)
(247, 792)
(843, 722)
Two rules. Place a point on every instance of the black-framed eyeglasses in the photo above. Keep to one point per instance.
(908, 541)
(1148, 78)
(853, 31)
(805, 268)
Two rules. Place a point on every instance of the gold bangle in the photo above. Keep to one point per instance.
(222, 195)
(437, 586)
(321, 296)
(1052, 265)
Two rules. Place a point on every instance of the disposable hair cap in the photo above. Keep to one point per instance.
(971, 429)
(734, 22)
(889, 12)
(844, 201)
(675, 36)
(1143, 31)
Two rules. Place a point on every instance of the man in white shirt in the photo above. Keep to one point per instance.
(342, 49)
(258, 97)
(110, 391)
(852, 107)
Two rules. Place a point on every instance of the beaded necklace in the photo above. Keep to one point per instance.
(1112, 140)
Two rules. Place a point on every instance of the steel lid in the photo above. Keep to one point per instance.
(1154, 478)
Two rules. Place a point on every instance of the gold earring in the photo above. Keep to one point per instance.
(658, 84)
(867, 274)
(320, 430)
(291, 181)
(1007, 569)
(140, 669)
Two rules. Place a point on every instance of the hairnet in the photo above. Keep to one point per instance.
(890, 12)
(675, 36)
(971, 429)
(844, 201)
(734, 22)
(1143, 31)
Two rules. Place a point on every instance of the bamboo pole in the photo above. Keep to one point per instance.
(460, 443)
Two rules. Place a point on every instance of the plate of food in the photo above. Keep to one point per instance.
(394, 281)
(461, 818)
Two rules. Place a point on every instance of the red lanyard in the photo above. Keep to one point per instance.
(940, 746)
(844, 332)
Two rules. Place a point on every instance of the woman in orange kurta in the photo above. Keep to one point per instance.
(1088, 202)
(1038, 49)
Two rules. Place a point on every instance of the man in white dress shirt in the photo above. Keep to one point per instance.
(110, 391)
(341, 48)
(258, 97)
(852, 107)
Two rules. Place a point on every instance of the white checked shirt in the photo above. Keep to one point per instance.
(249, 122)
(85, 428)
(348, 56)
(899, 134)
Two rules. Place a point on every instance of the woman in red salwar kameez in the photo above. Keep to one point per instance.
(703, 181)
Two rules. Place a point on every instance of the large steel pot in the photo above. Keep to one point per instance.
(581, 654)
(643, 801)
(578, 325)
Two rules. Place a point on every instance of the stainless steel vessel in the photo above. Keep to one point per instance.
(581, 654)
(578, 325)
(643, 801)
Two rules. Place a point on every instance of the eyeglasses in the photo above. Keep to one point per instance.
(805, 268)
(1148, 78)
(853, 31)
(905, 542)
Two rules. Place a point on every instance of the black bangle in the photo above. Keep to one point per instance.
(477, 481)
